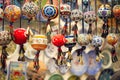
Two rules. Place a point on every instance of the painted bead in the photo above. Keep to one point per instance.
(12, 13)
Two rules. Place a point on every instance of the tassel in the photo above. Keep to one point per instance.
(75, 29)
(90, 29)
(98, 55)
(36, 61)
(79, 54)
(21, 53)
(4, 57)
(114, 56)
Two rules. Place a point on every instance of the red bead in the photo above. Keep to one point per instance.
(58, 40)
(20, 36)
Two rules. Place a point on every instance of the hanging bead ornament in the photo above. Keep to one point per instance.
(70, 43)
(20, 37)
(49, 12)
(83, 40)
(97, 42)
(1, 14)
(90, 18)
(12, 13)
(39, 42)
(65, 12)
(59, 40)
(112, 39)
(76, 15)
(5, 39)
(116, 13)
(29, 10)
(104, 12)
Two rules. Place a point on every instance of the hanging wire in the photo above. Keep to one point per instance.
(70, 17)
(59, 17)
(20, 16)
(40, 29)
(82, 19)
(3, 16)
(96, 15)
(111, 16)
(89, 4)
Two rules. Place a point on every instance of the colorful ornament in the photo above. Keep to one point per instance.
(65, 10)
(20, 37)
(76, 15)
(30, 9)
(12, 13)
(112, 39)
(104, 11)
(39, 42)
(116, 11)
(97, 42)
(70, 43)
(83, 39)
(1, 14)
(59, 40)
(5, 38)
(90, 17)
(50, 12)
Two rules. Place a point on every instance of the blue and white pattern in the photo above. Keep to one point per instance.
(97, 41)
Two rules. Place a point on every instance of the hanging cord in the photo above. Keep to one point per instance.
(96, 15)
(117, 22)
(105, 26)
(3, 16)
(111, 16)
(75, 27)
(36, 61)
(90, 25)
(40, 27)
(114, 56)
(20, 16)
(70, 17)
(79, 54)
(59, 17)
(82, 19)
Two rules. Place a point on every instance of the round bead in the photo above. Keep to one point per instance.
(104, 11)
(12, 13)
(39, 42)
(112, 39)
(83, 39)
(90, 17)
(58, 40)
(97, 41)
(5, 37)
(20, 36)
(50, 11)
(30, 10)
(116, 11)
(76, 15)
